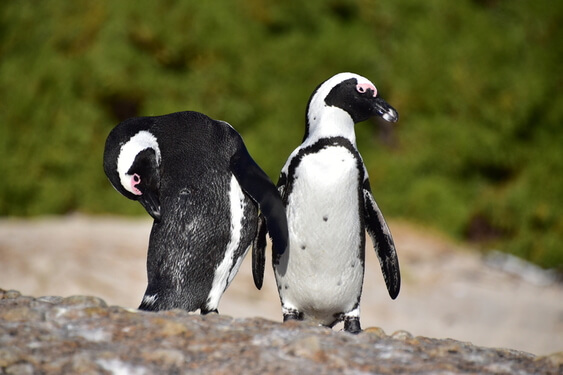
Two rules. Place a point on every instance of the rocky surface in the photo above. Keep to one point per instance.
(448, 290)
(82, 335)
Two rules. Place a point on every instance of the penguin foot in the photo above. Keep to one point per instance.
(292, 315)
(352, 324)
(205, 311)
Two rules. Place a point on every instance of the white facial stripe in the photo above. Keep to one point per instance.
(129, 150)
(318, 104)
(335, 121)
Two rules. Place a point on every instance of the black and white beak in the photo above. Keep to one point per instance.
(383, 109)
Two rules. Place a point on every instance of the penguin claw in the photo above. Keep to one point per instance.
(352, 325)
(292, 315)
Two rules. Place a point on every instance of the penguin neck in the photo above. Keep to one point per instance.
(331, 122)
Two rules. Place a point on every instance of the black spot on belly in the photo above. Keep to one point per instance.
(286, 287)
(325, 218)
(303, 247)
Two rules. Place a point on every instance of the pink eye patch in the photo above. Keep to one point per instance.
(135, 180)
(364, 87)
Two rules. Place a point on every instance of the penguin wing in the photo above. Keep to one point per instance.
(382, 241)
(259, 253)
(259, 244)
(256, 183)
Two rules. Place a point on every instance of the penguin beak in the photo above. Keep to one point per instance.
(383, 109)
(151, 203)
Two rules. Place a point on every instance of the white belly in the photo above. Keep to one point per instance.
(323, 267)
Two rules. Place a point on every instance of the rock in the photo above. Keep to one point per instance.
(401, 335)
(53, 335)
(376, 331)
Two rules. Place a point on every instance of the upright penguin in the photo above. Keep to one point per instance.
(325, 188)
(195, 177)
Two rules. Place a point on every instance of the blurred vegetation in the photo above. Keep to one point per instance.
(477, 151)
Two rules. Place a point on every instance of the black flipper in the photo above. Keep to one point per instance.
(383, 242)
(259, 253)
(282, 180)
(256, 183)
(259, 243)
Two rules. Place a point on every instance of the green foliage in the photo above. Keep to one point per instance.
(477, 151)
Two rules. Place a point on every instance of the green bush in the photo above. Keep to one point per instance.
(477, 151)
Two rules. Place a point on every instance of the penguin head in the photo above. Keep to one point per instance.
(349, 96)
(132, 164)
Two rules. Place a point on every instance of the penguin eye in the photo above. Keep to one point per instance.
(362, 88)
(135, 180)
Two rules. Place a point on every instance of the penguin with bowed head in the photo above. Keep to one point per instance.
(195, 177)
(325, 189)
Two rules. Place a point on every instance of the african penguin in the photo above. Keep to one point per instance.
(325, 188)
(195, 177)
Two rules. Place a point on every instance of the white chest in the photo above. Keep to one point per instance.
(323, 269)
(324, 195)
